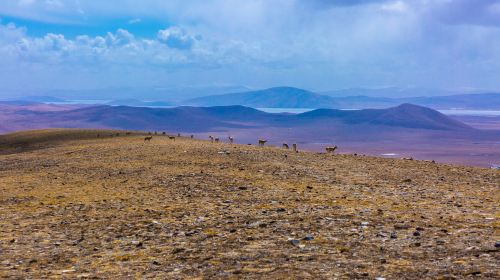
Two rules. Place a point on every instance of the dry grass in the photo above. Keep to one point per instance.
(121, 208)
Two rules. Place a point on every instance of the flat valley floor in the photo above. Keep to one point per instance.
(122, 208)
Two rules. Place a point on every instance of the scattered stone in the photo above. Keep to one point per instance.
(294, 242)
(308, 238)
(401, 226)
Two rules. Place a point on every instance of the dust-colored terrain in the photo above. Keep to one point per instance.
(123, 208)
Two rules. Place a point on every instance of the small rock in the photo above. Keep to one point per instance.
(295, 242)
(401, 226)
(365, 223)
(177, 250)
(308, 237)
(416, 233)
(394, 235)
(497, 244)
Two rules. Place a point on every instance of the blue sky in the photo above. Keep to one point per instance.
(314, 44)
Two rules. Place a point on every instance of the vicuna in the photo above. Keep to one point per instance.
(331, 150)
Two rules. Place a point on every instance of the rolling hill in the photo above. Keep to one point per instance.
(199, 119)
(407, 129)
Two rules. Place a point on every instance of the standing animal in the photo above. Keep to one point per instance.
(231, 139)
(148, 138)
(156, 132)
(294, 147)
(216, 140)
(285, 146)
(211, 138)
(163, 133)
(262, 142)
(331, 150)
(192, 136)
(171, 137)
(178, 135)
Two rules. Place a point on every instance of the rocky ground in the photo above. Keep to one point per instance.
(122, 208)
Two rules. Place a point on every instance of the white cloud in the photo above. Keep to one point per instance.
(177, 38)
(134, 21)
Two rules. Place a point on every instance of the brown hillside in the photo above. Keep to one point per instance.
(122, 208)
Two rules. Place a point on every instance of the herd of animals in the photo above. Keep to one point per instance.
(261, 142)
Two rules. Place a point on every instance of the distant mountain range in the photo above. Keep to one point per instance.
(278, 97)
(199, 119)
(289, 97)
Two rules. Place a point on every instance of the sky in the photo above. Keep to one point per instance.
(314, 44)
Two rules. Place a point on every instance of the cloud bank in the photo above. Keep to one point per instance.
(318, 44)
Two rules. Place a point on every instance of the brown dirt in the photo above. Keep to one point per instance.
(121, 208)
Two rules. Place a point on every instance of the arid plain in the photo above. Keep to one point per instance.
(76, 206)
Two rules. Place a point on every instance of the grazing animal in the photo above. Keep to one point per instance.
(331, 150)
(148, 138)
(285, 146)
(262, 142)
(294, 147)
(216, 140)
(211, 138)
(231, 139)
(171, 137)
